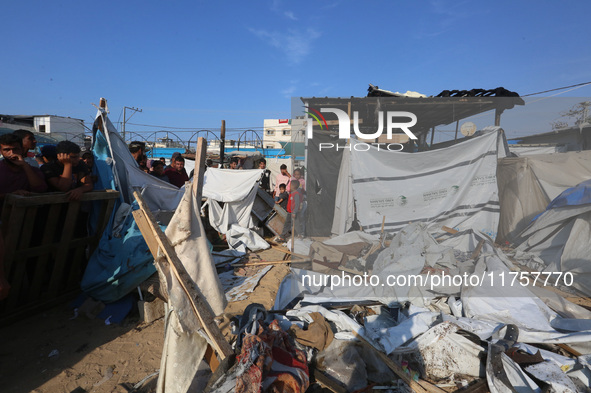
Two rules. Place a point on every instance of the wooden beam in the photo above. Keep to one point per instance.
(200, 154)
(199, 305)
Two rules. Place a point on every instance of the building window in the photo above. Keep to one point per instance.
(42, 128)
(286, 132)
(270, 132)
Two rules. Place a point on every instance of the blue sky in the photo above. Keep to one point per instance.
(190, 64)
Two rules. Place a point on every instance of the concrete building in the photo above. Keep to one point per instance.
(283, 130)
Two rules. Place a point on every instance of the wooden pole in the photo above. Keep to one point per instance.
(200, 154)
(156, 239)
(222, 143)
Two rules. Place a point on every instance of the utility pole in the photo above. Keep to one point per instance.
(125, 118)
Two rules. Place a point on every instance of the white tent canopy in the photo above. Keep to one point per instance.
(455, 186)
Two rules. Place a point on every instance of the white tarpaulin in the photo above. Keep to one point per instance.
(184, 345)
(454, 186)
(528, 184)
(236, 189)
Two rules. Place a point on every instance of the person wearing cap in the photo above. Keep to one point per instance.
(137, 150)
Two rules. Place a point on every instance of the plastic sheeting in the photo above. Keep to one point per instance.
(237, 190)
(454, 186)
(528, 184)
(122, 259)
(560, 236)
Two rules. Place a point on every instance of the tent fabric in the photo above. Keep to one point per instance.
(528, 184)
(184, 343)
(560, 236)
(122, 259)
(455, 186)
(520, 150)
(237, 190)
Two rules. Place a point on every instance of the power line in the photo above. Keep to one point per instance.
(559, 88)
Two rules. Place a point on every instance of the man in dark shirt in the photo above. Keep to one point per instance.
(177, 174)
(265, 182)
(16, 176)
(68, 173)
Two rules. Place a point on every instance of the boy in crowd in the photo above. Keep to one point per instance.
(283, 196)
(293, 208)
(158, 171)
(16, 175)
(177, 174)
(68, 173)
(29, 142)
(88, 159)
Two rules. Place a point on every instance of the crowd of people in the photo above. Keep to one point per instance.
(57, 168)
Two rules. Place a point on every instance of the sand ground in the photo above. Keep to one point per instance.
(94, 357)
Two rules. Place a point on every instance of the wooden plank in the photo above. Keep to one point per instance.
(48, 236)
(570, 350)
(20, 267)
(286, 251)
(59, 197)
(144, 226)
(76, 267)
(15, 223)
(476, 252)
(200, 154)
(61, 258)
(199, 305)
(449, 230)
(211, 359)
(420, 387)
(270, 263)
(329, 382)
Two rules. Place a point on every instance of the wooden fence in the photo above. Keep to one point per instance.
(47, 247)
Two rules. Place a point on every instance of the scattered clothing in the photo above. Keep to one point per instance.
(268, 362)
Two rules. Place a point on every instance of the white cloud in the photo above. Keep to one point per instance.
(295, 44)
(290, 15)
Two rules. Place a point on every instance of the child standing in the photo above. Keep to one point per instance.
(283, 196)
(293, 208)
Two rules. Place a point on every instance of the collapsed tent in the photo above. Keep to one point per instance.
(122, 259)
(455, 186)
(528, 184)
(560, 236)
(230, 196)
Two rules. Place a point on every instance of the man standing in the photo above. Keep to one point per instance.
(177, 173)
(265, 182)
(68, 173)
(282, 178)
(137, 150)
(17, 176)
